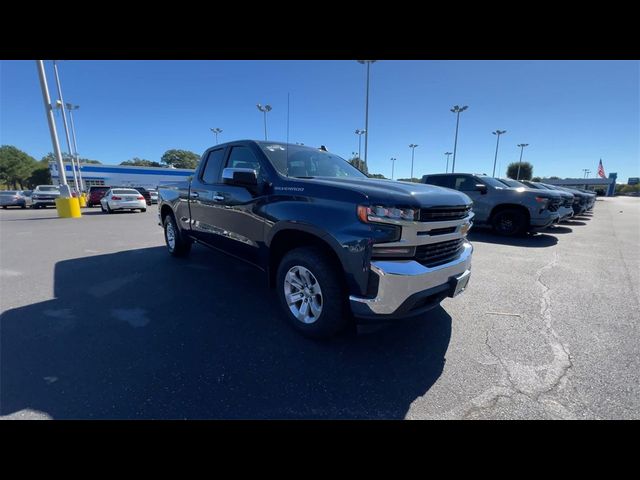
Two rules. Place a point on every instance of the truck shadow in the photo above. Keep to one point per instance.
(539, 240)
(151, 336)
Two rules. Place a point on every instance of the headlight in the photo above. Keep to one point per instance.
(543, 200)
(379, 213)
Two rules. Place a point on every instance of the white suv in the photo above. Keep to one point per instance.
(44, 195)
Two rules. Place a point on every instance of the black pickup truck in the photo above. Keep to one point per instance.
(334, 243)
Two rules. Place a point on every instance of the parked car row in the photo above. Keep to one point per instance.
(41, 196)
(96, 193)
(15, 198)
(511, 207)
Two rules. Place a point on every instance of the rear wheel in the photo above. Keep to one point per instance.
(177, 244)
(143, 210)
(509, 222)
(311, 293)
(109, 208)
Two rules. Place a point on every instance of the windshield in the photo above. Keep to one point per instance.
(493, 182)
(305, 162)
(513, 183)
(46, 188)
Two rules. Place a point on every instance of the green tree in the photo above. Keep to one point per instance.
(40, 176)
(180, 159)
(359, 164)
(141, 162)
(377, 175)
(50, 157)
(412, 180)
(554, 178)
(526, 170)
(15, 166)
(536, 179)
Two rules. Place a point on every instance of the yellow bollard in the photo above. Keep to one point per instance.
(68, 207)
(83, 200)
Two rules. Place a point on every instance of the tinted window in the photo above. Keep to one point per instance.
(211, 172)
(465, 184)
(442, 181)
(128, 191)
(242, 157)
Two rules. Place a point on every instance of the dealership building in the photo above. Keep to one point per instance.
(122, 175)
(606, 184)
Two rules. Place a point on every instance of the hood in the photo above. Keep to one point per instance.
(402, 194)
(537, 193)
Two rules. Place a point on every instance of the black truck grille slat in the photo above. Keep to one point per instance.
(441, 214)
(435, 253)
(554, 205)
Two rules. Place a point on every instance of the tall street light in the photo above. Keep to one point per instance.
(521, 145)
(457, 110)
(497, 133)
(60, 103)
(62, 176)
(393, 164)
(216, 131)
(413, 150)
(359, 133)
(71, 108)
(448, 154)
(265, 109)
(366, 109)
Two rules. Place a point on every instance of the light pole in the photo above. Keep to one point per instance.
(586, 172)
(60, 104)
(448, 154)
(265, 109)
(366, 109)
(393, 164)
(457, 110)
(413, 150)
(497, 133)
(71, 108)
(62, 176)
(521, 145)
(216, 131)
(359, 133)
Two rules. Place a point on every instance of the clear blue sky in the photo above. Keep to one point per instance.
(571, 113)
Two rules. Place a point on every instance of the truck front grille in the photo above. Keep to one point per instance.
(568, 202)
(435, 254)
(441, 214)
(554, 205)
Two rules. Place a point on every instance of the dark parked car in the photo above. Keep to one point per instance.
(335, 243)
(145, 193)
(95, 194)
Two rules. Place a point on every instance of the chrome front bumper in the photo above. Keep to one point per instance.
(401, 280)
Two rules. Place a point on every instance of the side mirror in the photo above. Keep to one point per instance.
(243, 177)
(482, 188)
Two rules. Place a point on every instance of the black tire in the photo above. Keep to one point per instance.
(181, 246)
(509, 222)
(4, 207)
(23, 206)
(143, 210)
(109, 208)
(334, 315)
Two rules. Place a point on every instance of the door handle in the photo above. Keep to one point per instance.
(218, 198)
(194, 195)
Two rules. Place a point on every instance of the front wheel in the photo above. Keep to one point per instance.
(311, 293)
(509, 222)
(177, 245)
(143, 210)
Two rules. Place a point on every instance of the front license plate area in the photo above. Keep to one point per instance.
(461, 283)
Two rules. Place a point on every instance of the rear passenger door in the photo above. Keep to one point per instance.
(202, 202)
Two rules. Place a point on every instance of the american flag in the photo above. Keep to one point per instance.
(601, 170)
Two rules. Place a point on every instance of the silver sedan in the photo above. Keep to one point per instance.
(123, 199)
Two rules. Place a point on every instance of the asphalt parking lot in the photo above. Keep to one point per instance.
(99, 322)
